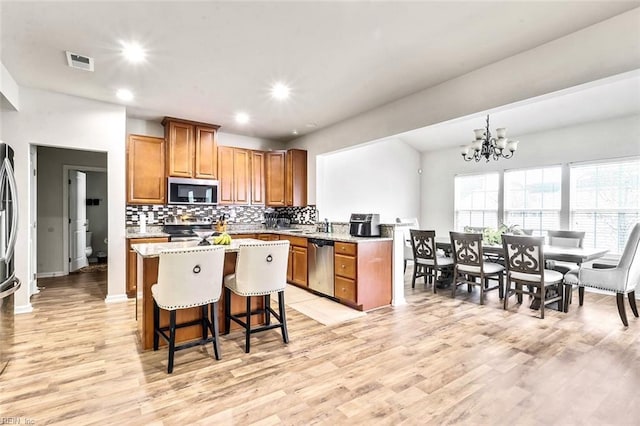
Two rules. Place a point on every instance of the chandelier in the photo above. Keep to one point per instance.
(485, 146)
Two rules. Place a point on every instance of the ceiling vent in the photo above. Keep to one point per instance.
(80, 62)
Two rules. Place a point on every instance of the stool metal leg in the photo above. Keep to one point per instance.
(204, 322)
(172, 340)
(247, 337)
(283, 317)
(227, 310)
(267, 312)
(214, 329)
(156, 325)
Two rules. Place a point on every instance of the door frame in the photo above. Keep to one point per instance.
(65, 207)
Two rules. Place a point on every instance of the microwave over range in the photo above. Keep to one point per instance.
(192, 191)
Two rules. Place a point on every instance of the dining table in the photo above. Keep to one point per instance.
(577, 255)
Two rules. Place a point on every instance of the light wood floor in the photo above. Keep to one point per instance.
(436, 360)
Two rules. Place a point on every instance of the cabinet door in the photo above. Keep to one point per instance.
(132, 265)
(225, 175)
(275, 178)
(296, 178)
(241, 175)
(299, 262)
(146, 183)
(179, 149)
(257, 177)
(206, 160)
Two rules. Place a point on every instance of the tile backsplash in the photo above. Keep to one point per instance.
(237, 214)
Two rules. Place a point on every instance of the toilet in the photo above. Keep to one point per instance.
(88, 251)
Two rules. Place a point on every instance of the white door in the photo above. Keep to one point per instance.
(77, 220)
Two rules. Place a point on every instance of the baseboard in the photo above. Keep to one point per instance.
(51, 274)
(116, 298)
(23, 309)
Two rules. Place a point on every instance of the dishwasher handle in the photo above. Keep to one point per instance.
(320, 243)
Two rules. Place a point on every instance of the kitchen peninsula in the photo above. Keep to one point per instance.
(362, 277)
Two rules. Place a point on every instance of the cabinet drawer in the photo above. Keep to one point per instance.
(345, 289)
(295, 241)
(237, 236)
(345, 248)
(345, 266)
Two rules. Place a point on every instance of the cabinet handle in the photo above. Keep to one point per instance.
(342, 266)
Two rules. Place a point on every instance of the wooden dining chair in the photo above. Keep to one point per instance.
(469, 264)
(622, 279)
(524, 260)
(428, 263)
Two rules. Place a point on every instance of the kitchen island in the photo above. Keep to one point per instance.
(147, 275)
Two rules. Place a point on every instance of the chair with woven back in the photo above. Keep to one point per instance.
(427, 260)
(524, 261)
(469, 264)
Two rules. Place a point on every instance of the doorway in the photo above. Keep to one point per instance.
(53, 213)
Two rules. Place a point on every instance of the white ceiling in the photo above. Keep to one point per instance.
(208, 60)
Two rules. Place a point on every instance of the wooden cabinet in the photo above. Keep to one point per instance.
(274, 171)
(286, 178)
(268, 237)
(234, 173)
(297, 272)
(145, 170)
(191, 148)
(257, 177)
(363, 274)
(132, 270)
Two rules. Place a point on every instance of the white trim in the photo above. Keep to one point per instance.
(605, 161)
(51, 274)
(23, 309)
(116, 298)
(65, 206)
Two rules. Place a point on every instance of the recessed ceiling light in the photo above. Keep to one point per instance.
(280, 91)
(124, 94)
(242, 118)
(294, 132)
(133, 52)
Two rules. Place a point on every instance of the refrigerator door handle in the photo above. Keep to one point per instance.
(14, 204)
(11, 290)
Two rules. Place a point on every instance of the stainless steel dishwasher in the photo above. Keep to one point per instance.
(320, 255)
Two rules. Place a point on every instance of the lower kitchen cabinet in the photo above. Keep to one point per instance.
(363, 274)
(297, 271)
(132, 271)
(268, 237)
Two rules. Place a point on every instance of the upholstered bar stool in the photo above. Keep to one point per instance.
(261, 269)
(427, 260)
(188, 278)
(524, 259)
(469, 264)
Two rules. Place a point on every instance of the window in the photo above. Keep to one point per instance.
(476, 200)
(605, 202)
(532, 198)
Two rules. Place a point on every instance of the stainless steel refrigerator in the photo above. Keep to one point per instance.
(9, 284)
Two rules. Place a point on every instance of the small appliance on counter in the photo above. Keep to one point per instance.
(364, 225)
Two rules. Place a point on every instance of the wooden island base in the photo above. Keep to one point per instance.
(148, 275)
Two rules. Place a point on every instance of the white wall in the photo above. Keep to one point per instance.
(153, 128)
(9, 89)
(380, 177)
(51, 119)
(592, 141)
(50, 202)
(608, 48)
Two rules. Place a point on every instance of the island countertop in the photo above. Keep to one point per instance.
(147, 250)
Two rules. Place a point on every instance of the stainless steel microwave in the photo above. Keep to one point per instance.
(192, 191)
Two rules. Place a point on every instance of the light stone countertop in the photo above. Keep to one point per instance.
(147, 250)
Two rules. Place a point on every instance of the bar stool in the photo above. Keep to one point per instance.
(261, 269)
(188, 278)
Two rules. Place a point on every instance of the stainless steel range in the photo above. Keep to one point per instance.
(182, 229)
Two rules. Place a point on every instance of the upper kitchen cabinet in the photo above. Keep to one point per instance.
(145, 170)
(286, 178)
(191, 148)
(234, 173)
(257, 177)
